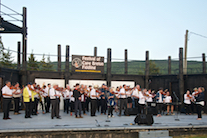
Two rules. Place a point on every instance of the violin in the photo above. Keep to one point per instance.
(189, 96)
(98, 91)
(12, 87)
(145, 94)
(114, 92)
(59, 89)
(163, 93)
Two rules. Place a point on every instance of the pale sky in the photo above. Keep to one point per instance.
(137, 25)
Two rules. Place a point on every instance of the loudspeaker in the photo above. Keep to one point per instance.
(144, 119)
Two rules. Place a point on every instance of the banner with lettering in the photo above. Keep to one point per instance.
(87, 64)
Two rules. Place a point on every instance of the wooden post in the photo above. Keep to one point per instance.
(147, 70)
(108, 67)
(18, 55)
(67, 56)
(24, 40)
(24, 48)
(67, 59)
(169, 65)
(204, 63)
(181, 80)
(59, 59)
(126, 63)
(95, 51)
(185, 65)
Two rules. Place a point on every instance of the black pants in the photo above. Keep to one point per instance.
(98, 105)
(142, 108)
(103, 105)
(110, 110)
(199, 109)
(47, 104)
(31, 107)
(93, 107)
(83, 104)
(36, 101)
(55, 107)
(123, 104)
(16, 104)
(66, 105)
(72, 106)
(88, 100)
(159, 108)
(188, 108)
(6, 106)
(136, 103)
(28, 108)
(78, 107)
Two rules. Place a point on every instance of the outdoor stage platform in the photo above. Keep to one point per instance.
(70, 127)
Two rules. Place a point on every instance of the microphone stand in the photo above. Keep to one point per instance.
(177, 99)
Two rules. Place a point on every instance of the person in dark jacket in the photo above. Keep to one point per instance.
(200, 102)
(77, 96)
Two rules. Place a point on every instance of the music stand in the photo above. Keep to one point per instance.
(177, 99)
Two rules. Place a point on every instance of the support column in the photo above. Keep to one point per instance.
(147, 70)
(169, 65)
(185, 66)
(67, 56)
(108, 67)
(204, 63)
(24, 47)
(18, 55)
(24, 40)
(95, 51)
(126, 63)
(181, 80)
(59, 59)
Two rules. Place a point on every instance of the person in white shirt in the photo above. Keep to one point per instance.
(72, 102)
(94, 95)
(129, 96)
(142, 100)
(17, 93)
(66, 97)
(159, 100)
(187, 102)
(168, 101)
(55, 101)
(7, 97)
(123, 100)
(135, 95)
(47, 98)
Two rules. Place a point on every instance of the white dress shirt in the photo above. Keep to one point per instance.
(53, 92)
(168, 99)
(72, 99)
(6, 90)
(122, 91)
(186, 99)
(141, 98)
(93, 92)
(135, 93)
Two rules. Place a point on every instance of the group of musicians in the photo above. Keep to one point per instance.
(77, 99)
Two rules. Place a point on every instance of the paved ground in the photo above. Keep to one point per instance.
(44, 121)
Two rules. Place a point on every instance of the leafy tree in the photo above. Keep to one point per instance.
(5, 57)
(46, 66)
(32, 63)
(153, 69)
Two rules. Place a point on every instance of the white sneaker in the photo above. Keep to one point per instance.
(109, 116)
(112, 116)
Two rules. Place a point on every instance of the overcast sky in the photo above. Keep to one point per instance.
(137, 25)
